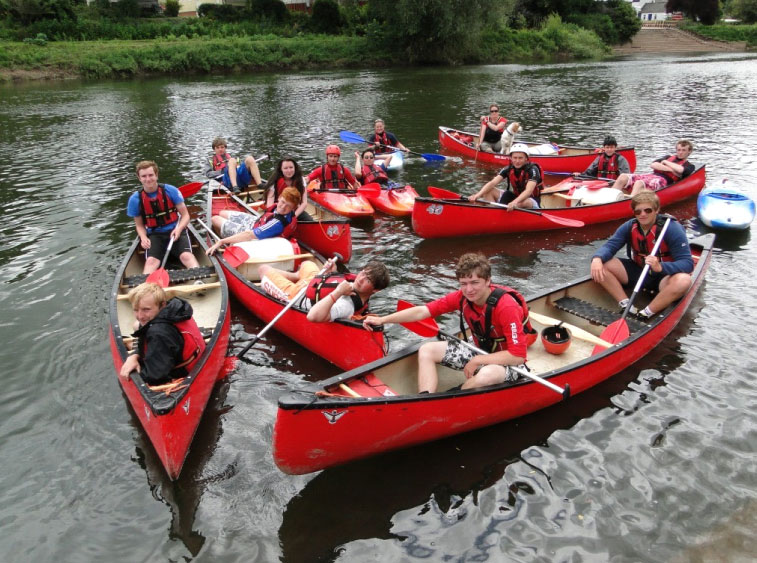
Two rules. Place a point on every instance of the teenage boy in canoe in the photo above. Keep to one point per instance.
(666, 170)
(235, 175)
(240, 226)
(492, 127)
(169, 343)
(523, 182)
(383, 142)
(333, 175)
(160, 215)
(330, 296)
(669, 273)
(496, 315)
(609, 164)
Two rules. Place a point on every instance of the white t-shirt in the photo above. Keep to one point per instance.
(342, 309)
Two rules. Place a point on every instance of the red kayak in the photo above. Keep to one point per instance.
(328, 233)
(377, 408)
(396, 200)
(560, 158)
(170, 416)
(455, 217)
(347, 203)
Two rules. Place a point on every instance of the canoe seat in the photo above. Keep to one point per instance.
(371, 386)
(182, 275)
(594, 313)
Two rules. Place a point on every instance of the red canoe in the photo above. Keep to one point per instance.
(170, 420)
(331, 425)
(397, 201)
(328, 233)
(344, 343)
(346, 203)
(566, 159)
(437, 218)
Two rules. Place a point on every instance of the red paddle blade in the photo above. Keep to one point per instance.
(562, 220)
(159, 276)
(616, 332)
(426, 328)
(188, 190)
(443, 194)
(370, 190)
(235, 256)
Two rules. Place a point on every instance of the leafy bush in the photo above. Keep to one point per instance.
(745, 10)
(172, 8)
(274, 11)
(326, 17)
(40, 39)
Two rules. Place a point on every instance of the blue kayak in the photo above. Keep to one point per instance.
(721, 207)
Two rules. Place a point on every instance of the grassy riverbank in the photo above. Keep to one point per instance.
(726, 32)
(104, 59)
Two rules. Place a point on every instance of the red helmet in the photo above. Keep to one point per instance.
(556, 339)
(333, 149)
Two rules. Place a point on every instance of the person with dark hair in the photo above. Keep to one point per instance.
(666, 170)
(288, 174)
(160, 214)
(609, 164)
(233, 174)
(669, 275)
(492, 127)
(496, 315)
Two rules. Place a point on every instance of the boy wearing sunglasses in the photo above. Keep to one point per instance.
(669, 274)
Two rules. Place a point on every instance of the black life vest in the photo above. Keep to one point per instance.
(641, 244)
(220, 162)
(336, 179)
(518, 178)
(374, 173)
(482, 329)
(194, 346)
(382, 139)
(271, 215)
(669, 176)
(323, 284)
(491, 136)
(157, 211)
(607, 167)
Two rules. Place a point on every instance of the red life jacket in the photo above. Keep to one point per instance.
(194, 346)
(271, 215)
(608, 166)
(481, 326)
(220, 162)
(382, 139)
(158, 211)
(669, 176)
(336, 179)
(642, 245)
(374, 173)
(519, 178)
(321, 285)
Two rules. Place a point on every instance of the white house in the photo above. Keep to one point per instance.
(654, 11)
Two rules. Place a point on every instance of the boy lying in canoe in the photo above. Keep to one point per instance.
(666, 170)
(496, 315)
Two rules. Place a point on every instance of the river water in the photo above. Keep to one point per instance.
(656, 464)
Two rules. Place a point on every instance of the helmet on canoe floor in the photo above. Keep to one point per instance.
(519, 147)
(333, 149)
(556, 339)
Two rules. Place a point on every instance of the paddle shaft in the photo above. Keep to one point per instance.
(565, 392)
(288, 306)
(168, 252)
(239, 201)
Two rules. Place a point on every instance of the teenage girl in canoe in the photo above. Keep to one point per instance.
(288, 174)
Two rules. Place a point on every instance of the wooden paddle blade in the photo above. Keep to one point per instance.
(370, 190)
(188, 190)
(235, 256)
(433, 157)
(616, 332)
(159, 276)
(350, 137)
(443, 194)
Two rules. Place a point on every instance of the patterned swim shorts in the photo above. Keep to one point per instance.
(458, 355)
(651, 181)
(237, 222)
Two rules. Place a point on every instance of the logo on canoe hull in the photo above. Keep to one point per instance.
(185, 406)
(333, 416)
(333, 231)
(147, 413)
(435, 209)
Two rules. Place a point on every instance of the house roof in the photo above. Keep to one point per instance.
(654, 8)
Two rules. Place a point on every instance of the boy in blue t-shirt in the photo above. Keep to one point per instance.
(160, 214)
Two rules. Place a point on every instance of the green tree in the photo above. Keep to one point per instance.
(172, 8)
(269, 10)
(29, 11)
(706, 11)
(326, 17)
(744, 10)
(623, 15)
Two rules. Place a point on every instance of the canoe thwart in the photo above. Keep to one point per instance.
(594, 313)
(174, 290)
(284, 258)
(176, 276)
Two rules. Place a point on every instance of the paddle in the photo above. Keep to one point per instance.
(579, 333)
(351, 137)
(188, 190)
(288, 306)
(234, 255)
(429, 328)
(618, 330)
(558, 188)
(160, 276)
(239, 201)
(446, 194)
